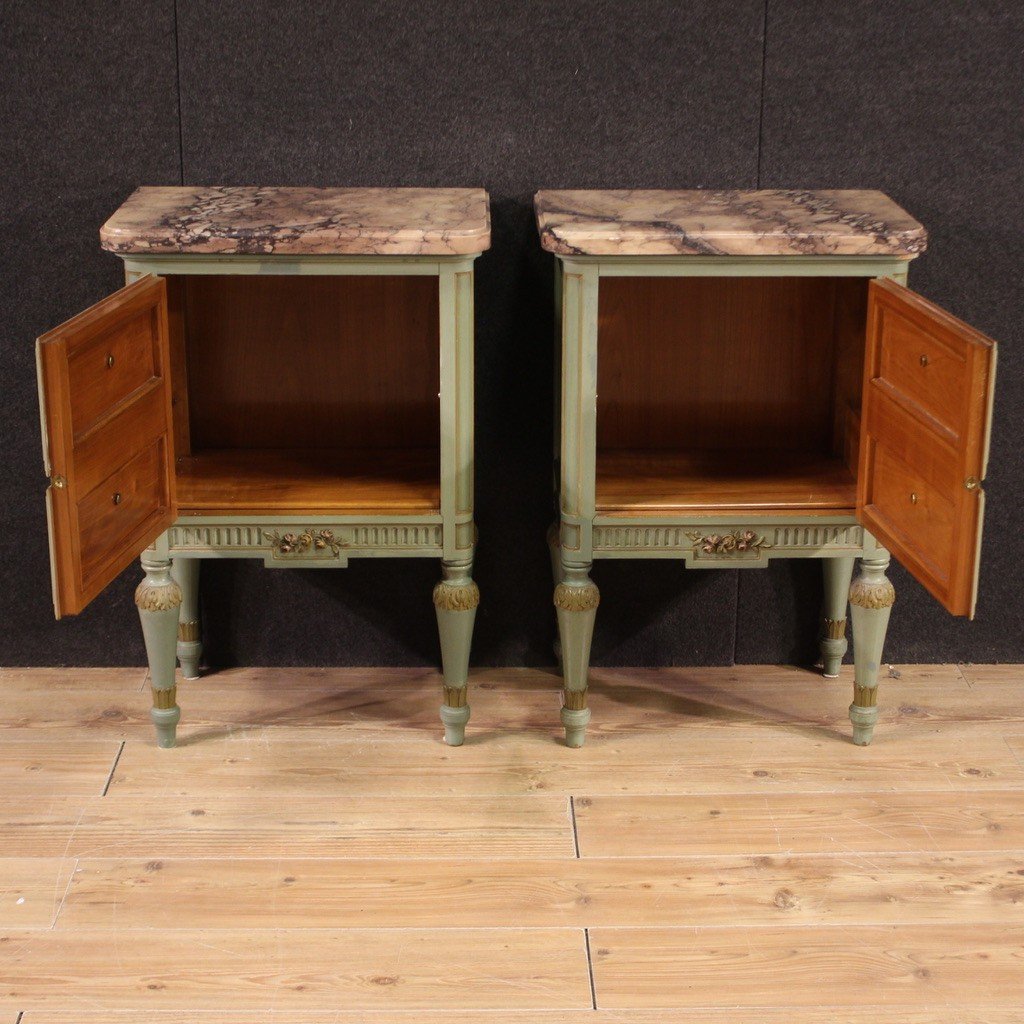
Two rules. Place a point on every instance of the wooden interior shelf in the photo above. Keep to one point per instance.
(309, 481)
(645, 482)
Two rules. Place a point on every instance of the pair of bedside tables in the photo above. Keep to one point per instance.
(288, 375)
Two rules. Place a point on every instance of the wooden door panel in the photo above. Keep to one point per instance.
(120, 507)
(926, 370)
(928, 382)
(105, 398)
(106, 369)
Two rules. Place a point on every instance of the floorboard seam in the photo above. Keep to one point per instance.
(590, 970)
(113, 768)
(964, 676)
(572, 818)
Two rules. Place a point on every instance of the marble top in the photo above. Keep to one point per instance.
(301, 221)
(706, 222)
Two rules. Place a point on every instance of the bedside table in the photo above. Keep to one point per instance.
(745, 376)
(288, 375)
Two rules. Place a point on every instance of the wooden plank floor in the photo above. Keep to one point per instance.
(312, 852)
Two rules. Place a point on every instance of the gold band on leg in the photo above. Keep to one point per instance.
(163, 700)
(188, 631)
(574, 700)
(865, 696)
(835, 629)
(455, 696)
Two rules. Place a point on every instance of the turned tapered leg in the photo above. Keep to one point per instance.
(158, 597)
(837, 573)
(576, 601)
(185, 572)
(871, 599)
(455, 599)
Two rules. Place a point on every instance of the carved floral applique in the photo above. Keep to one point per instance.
(308, 540)
(728, 543)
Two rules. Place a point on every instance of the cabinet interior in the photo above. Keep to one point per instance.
(305, 394)
(729, 392)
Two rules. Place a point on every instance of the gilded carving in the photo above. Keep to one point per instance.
(577, 599)
(574, 700)
(308, 540)
(188, 631)
(728, 543)
(456, 597)
(865, 696)
(872, 594)
(455, 696)
(835, 629)
(164, 700)
(152, 596)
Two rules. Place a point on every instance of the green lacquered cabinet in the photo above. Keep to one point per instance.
(745, 376)
(287, 375)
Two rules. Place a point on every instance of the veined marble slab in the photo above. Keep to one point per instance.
(301, 221)
(706, 222)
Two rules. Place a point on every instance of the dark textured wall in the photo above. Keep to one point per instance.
(921, 99)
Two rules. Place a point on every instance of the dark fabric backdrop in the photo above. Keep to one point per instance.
(922, 99)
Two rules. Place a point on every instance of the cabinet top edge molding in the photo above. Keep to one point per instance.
(716, 222)
(300, 221)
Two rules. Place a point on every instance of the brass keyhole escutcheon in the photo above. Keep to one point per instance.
(924, 360)
(913, 499)
(110, 361)
(116, 498)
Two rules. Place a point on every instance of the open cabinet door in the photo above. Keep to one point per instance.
(105, 402)
(927, 410)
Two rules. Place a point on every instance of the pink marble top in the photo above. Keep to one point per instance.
(301, 221)
(706, 222)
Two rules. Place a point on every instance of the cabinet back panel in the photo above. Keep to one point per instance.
(312, 362)
(716, 363)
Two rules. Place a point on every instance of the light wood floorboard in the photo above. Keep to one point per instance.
(252, 825)
(673, 826)
(42, 766)
(893, 966)
(735, 891)
(277, 968)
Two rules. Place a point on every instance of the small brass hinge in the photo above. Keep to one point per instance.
(971, 483)
(58, 481)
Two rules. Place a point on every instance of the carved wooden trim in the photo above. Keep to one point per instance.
(188, 631)
(574, 700)
(872, 594)
(456, 597)
(153, 596)
(781, 540)
(835, 629)
(310, 539)
(728, 543)
(865, 696)
(164, 700)
(351, 539)
(455, 696)
(577, 599)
